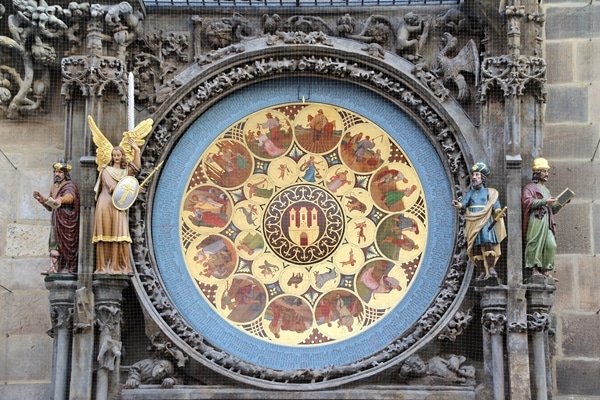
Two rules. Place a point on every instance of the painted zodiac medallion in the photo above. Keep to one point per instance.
(303, 224)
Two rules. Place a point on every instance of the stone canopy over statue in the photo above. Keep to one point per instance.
(115, 189)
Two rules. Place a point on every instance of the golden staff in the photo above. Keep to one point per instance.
(151, 173)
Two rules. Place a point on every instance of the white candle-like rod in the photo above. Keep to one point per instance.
(130, 103)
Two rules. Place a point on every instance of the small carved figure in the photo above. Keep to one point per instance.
(345, 25)
(453, 19)
(63, 202)
(539, 227)
(111, 225)
(437, 370)
(376, 29)
(151, 371)
(228, 31)
(484, 229)
(451, 69)
(412, 34)
(270, 23)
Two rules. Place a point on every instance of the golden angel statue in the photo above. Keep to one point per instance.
(116, 166)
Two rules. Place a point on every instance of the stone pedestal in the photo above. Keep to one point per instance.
(62, 293)
(108, 294)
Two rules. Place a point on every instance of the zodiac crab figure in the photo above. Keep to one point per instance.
(115, 191)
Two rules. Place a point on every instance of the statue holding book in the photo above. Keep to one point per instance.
(63, 203)
(539, 226)
(116, 189)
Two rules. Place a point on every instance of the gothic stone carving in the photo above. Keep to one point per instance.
(407, 35)
(38, 34)
(34, 28)
(157, 58)
(513, 77)
(494, 324)
(92, 75)
(108, 319)
(457, 326)
(158, 369)
(61, 316)
(437, 371)
(538, 322)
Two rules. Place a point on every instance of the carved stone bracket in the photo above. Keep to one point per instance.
(513, 77)
(108, 296)
(108, 319)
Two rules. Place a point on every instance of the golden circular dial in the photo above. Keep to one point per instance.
(303, 224)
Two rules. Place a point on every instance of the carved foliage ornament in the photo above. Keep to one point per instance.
(36, 29)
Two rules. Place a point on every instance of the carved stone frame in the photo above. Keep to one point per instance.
(198, 87)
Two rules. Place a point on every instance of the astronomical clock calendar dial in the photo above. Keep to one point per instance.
(303, 224)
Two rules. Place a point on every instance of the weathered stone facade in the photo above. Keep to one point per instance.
(188, 61)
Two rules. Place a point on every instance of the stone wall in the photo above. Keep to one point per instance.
(572, 130)
(29, 150)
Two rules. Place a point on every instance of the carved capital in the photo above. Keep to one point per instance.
(62, 293)
(538, 322)
(61, 316)
(494, 324)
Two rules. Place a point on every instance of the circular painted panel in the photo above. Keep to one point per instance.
(303, 224)
(307, 235)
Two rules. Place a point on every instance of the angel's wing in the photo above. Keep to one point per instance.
(138, 134)
(103, 145)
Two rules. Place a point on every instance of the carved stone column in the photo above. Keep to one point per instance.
(517, 345)
(108, 294)
(493, 320)
(62, 292)
(540, 298)
(87, 75)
